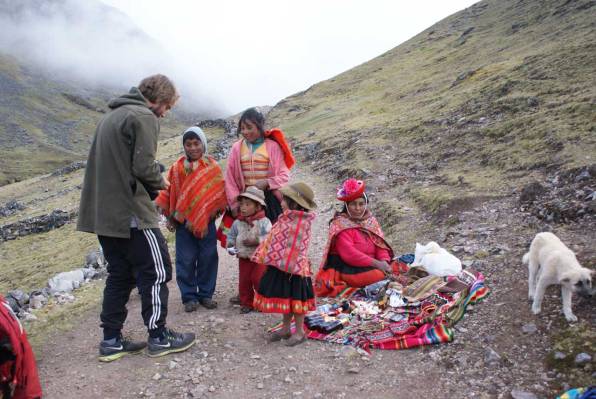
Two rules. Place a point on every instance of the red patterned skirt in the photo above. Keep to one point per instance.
(281, 292)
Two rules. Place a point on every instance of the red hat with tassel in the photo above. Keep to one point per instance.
(350, 190)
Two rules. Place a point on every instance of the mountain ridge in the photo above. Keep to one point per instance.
(498, 88)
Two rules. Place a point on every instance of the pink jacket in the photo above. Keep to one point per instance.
(278, 175)
(356, 249)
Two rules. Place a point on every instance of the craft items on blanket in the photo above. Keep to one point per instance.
(407, 259)
(418, 310)
(436, 260)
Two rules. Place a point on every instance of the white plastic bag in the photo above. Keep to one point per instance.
(436, 260)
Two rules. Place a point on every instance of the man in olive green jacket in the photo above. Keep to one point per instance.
(116, 205)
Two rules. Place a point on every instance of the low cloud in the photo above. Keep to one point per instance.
(96, 44)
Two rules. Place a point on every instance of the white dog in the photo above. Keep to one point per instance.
(551, 262)
(436, 260)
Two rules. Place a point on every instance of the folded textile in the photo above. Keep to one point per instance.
(427, 321)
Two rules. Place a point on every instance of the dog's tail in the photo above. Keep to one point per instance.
(526, 258)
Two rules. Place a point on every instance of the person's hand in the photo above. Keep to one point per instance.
(166, 183)
(381, 265)
(262, 184)
(250, 242)
(171, 226)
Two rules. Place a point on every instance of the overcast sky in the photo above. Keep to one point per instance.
(245, 53)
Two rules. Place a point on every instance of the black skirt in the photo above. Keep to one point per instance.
(281, 292)
(335, 262)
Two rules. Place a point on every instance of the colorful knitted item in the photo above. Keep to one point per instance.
(579, 393)
(350, 190)
(196, 196)
(225, 225)
(286, 245)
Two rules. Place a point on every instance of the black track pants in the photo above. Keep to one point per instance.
(141, 260)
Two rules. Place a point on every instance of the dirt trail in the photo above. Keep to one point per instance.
(231, 359)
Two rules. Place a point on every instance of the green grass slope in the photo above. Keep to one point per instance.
(46, 124)
(477, 103)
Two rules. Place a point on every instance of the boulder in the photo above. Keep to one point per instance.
(66, 281)
(19, 296)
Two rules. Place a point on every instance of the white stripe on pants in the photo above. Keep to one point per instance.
(161, 277)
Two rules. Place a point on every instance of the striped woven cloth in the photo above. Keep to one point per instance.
(431, 323)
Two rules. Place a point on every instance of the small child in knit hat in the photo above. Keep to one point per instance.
(246, 233)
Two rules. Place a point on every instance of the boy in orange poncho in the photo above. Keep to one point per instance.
(195, 198)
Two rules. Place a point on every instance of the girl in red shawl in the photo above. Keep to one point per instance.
(194, 199)
(356, 254)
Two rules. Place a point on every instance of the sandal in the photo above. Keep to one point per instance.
(235, 300)
(294, 340)
(277, 336)
(245, 310)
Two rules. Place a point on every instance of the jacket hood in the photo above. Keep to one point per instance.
(133, 97)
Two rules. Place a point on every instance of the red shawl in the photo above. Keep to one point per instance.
(286, 245)
(278, 136)
(20, 372)
(326, 283)
(195, 197)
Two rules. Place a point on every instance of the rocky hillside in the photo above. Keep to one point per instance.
(480, 103)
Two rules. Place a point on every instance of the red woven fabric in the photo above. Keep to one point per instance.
(278, 136)
(21, 372)
(286, 245)
(195, 197)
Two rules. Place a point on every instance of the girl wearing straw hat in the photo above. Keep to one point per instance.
(286, 287)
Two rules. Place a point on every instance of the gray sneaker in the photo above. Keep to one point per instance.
(115, 348)
(170, 342)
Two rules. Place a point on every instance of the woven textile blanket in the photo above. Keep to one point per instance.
(427, 321)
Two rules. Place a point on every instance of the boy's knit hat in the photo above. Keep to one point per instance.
(195, 132)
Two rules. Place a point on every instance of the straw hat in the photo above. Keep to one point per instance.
(254, 194)
(301, 193)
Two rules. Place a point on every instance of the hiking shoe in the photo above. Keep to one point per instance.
(190, 306)
(208, 303)
(170, 342)
(115, 348)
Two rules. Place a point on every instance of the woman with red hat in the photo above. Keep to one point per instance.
(356, 254)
